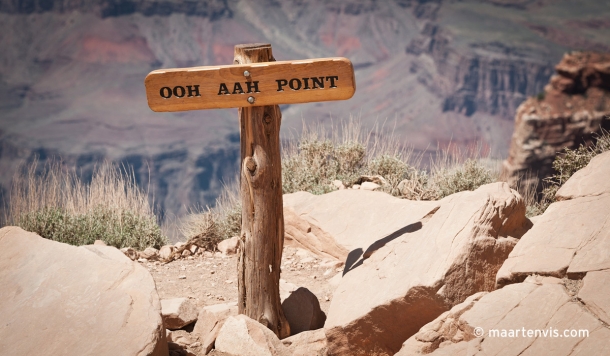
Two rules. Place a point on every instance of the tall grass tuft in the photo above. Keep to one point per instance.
(57, 205)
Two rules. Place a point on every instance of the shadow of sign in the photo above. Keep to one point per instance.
(354, 257)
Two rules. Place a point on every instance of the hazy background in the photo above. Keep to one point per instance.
(72, 73)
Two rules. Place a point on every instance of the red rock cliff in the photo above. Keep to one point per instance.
(571, 110)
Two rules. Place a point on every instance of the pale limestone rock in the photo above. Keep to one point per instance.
(243, 336)
(437, 263)
(572, 237)
(338, 184)
(178, 312)
(229, 247)
(369, 186)
(150, 253)
(306, 234)
(99, 243)
(210, 320)
(166, 251)
(307, 343)
(302, 311)
(352, 219)
(58, 299)
(536, 304)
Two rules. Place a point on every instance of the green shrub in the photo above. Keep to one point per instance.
(58, 206)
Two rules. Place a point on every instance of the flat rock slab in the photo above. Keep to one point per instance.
(58, 299)
(572, 237)
(352, 218)
(536, 317)
(450, 255)
(178, 313)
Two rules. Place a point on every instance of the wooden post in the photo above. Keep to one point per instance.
(262, 236)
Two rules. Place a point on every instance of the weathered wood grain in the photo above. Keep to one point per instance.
(262, 236)
(270, 83)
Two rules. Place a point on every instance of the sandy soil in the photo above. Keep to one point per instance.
(212, 279)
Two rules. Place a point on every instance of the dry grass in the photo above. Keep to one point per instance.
(569, 162)
(207, 227)
(59, 206)
(318, 157)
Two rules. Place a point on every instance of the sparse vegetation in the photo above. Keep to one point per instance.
(56, 204)
(566, 164)
(316, 159)
(208, 227)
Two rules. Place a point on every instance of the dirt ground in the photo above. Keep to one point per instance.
(211, 278)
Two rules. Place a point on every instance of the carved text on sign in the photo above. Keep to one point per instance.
(255, 84)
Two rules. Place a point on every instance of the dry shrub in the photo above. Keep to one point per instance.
(207, 227)
(569, 162)
(57, 205)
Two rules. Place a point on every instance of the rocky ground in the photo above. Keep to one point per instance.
(210, 278)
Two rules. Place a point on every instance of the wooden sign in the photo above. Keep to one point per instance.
(256, 84)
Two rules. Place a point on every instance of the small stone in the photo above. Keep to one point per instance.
(166, 251)
(212, 272)
(356, 186)
(229, 247)
(178, 312)
(228, 281)
(142, 260)
(369, 186)
(181, 277)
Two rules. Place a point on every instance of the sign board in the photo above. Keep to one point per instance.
(256, 84)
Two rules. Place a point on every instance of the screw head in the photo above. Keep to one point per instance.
(251, 99)
(246, 73)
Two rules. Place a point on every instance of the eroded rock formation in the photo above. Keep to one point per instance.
(571, 110)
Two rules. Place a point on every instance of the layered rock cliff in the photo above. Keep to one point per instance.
(573, 108)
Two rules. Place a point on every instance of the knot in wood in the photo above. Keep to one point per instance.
(267, 119)
(250, 164)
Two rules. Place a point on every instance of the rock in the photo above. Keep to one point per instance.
(166, 252)
(306, 234)
(194, 249)
(369, 186)
(447, 256)
(150, 253)
(88, 300)
(572, 237)
(130, 253)
(307, 343)
(229, 247)
(178, 312)
(356, 186)
(573, 109)
(540, 307)
(302, 310)
(588, 182)
(243, 336)
(338, 184)
(210, 320)
(353, 220)
(186, 253)
(99, 243)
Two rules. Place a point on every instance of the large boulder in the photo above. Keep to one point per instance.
(243, 336)
(307, 343)
(178, 313)
(58, 299)
(444, 258)
(555, 280)
(333, 224)
(536, 317)
(572, 237)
